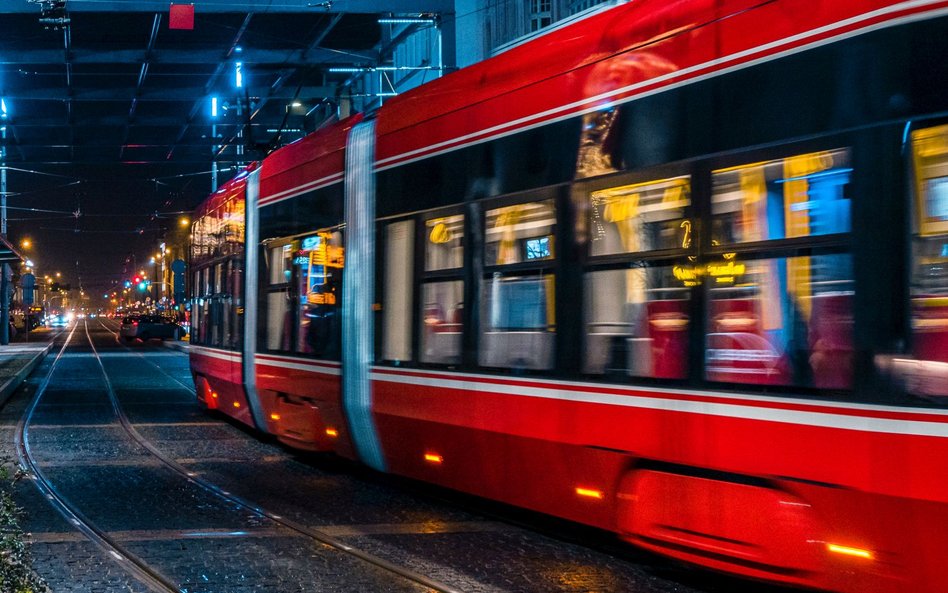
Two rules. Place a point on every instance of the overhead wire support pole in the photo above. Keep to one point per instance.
(4, 283)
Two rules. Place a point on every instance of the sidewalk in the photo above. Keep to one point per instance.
(17, 361)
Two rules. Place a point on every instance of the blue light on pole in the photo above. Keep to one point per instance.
(213, 106)
(238, 75)
(3, 108)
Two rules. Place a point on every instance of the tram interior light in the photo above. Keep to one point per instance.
(238, 75)
(3, 108)
(213, 106)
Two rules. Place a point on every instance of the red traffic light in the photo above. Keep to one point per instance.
(136, 279)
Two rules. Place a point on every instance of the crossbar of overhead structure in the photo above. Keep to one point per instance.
(260, 6)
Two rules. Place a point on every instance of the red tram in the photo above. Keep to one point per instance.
(676, 270)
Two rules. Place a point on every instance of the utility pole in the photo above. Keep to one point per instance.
(4, 269)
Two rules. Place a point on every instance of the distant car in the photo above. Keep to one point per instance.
(59, 320)
(145, 327)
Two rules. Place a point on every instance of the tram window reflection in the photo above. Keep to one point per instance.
(398, 279)
(783, 321)
(319, 262)
(278, 326)
(520, 233)
(639, 217)
(518, 322)
(922, 371)
(442, 321)
(444, 243)
(798, 196)
(637, 323)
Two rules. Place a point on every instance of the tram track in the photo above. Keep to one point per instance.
(298, 528)
(136, 566)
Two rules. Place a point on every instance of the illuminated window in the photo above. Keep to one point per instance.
(923, 371)
(520, 233)
(441, 319)
(799, 196)
(444, 243)
(637, 322)
(443, 305)
(638, 309)
(518, 322)
(640, 217)
(319, 261)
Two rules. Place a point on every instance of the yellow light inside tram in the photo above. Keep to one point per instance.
(274, 416)
(589, 493)
(332, 432)
(433, 458)
(848, 551)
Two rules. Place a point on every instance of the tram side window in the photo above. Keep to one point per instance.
(319, 263)
(442, 293)
(517, 318)
(799, 196)
(279, 328)
(235, 282)
(397, 316)
(204, 307)
(443, 321)
(781, 320)
(196, 320)
(444, 243)
(923, 371)
(216, 308)
(637, 314)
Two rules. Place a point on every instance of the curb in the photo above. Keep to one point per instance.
(14, 382)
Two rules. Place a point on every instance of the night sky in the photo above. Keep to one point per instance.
(124, 213)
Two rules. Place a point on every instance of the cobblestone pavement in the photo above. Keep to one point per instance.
(209, 545)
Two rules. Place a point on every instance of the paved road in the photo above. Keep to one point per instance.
(205, 543)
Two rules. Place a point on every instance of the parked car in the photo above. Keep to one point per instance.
(145, 327)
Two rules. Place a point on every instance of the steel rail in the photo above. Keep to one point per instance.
(138, 568)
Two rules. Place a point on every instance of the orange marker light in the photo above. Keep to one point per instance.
(274, 416)
(332, 432)
(589, 493)
(847, 551)
(236, 404)
(433, 458)
(214, 394)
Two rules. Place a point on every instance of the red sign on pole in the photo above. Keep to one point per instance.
(181, 16)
